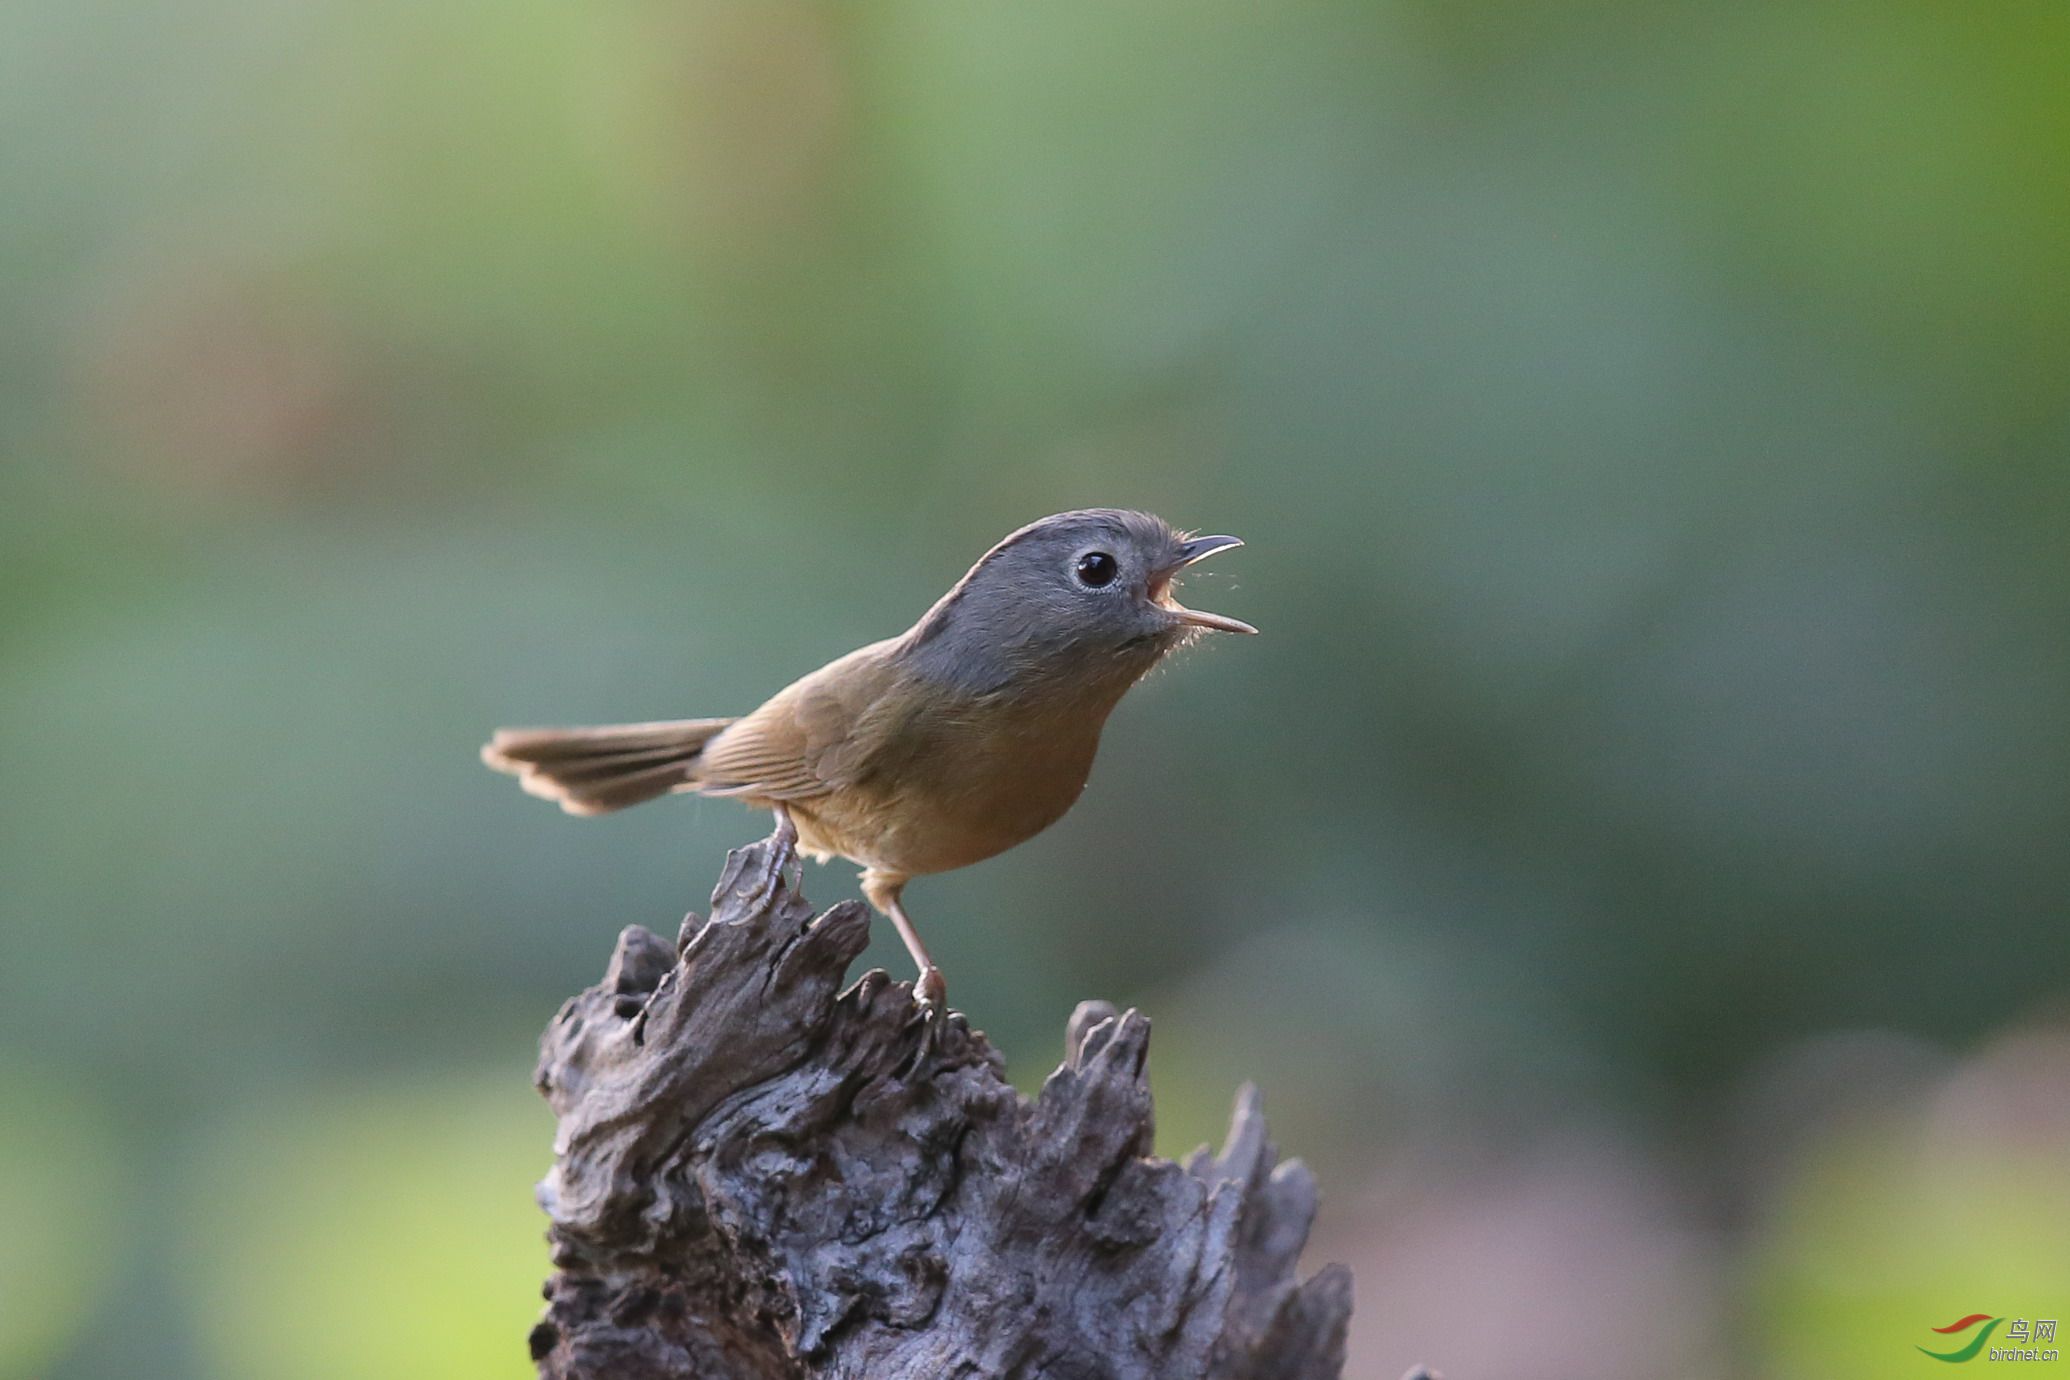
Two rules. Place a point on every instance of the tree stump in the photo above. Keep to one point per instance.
(759, 1176)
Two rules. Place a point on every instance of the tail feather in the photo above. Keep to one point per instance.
(575, 771)
(593, 771)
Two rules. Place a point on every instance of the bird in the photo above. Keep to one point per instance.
(970, 732)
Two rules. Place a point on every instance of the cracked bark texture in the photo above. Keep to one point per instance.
(760, 1176)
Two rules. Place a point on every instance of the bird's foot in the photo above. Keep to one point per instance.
(785, 835)
(931, 1013)
(783, 851)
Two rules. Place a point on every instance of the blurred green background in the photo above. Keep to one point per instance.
(1633, 861)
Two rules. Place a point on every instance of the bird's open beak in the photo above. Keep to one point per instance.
(1198, 549)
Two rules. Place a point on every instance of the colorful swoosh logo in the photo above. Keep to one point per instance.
(1976, 1343)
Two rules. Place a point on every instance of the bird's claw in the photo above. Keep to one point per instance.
(931, 1012)
(783, 852)
(785, 835)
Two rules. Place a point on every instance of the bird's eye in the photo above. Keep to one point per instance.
(1097, 569)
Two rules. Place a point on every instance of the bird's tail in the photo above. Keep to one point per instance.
(593, 771)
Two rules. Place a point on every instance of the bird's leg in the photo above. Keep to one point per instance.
(785, 854)
(883, 891)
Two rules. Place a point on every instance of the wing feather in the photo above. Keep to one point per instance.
(811, 738)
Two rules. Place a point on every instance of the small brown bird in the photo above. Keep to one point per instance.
(968, 733)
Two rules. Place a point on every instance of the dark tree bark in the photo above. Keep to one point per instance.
(762, 1177)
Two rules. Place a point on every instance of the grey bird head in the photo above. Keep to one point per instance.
(1083, 595)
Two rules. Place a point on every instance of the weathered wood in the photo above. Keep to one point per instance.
(762, 1177)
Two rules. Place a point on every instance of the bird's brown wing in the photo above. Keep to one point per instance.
(812, 737)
